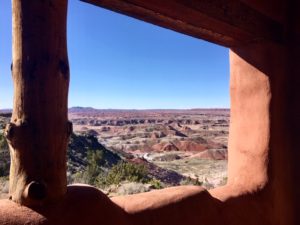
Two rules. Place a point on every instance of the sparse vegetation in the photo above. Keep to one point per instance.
(3, 142)
(121, 173)
(4, 154)
(132, 165)
(191, 181)
(97, 173)
(156, 184)
(4, 164)
(95, 159)
(124, 171)
(4, 186)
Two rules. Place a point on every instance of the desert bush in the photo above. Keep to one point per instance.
(132, 188)
(156, 184)
(191, 181)
(94, 162)
(4, 185)
(98, 173)
(123, 171)
(93, 169)
(4, 156)
(3, 142)
(4, 169)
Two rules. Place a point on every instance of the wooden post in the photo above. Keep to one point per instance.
(39, 129)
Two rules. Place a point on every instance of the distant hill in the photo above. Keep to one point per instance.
(79, 109)
(88, 111)
(5, 113)
(91, 110)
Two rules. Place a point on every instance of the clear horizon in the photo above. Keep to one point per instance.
(143, 108)
(118, 62)
(3, 109)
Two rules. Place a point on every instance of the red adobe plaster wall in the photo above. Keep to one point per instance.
(258, 191)
(292, 115)
(264, 179)
(249, 197)
(249, 123)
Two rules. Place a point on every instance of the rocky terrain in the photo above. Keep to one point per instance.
(192, 142)
(148, 131)
(131, 151)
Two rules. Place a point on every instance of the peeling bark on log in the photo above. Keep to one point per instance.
(39, 129)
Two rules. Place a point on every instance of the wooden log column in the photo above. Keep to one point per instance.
(39, 129)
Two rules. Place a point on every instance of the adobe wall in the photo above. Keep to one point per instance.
(264, 179)
(292, 106)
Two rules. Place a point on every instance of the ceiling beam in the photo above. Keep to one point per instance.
(226, 22)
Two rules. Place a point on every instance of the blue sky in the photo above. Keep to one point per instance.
(119, 62)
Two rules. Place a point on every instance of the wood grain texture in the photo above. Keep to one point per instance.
(39, 129)
(225, 22)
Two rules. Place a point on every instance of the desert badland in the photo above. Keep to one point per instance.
(170, 147)
(192, 143)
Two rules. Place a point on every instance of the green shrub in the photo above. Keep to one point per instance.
(4, 169)
(124, 171)
(4, 156)
(3, 142)
(95, 160)
(156, 184)
(97, 174)
(190, 181)
(93, 169)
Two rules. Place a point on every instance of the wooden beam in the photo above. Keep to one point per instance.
(226, 22)
(38, 133)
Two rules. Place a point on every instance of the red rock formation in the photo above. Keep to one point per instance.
(164, 147)
(211, 154)
(190, 146)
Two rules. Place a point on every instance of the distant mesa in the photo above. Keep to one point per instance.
(6, 113)
(79, 109)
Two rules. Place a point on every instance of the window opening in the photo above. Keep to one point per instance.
(149, 107)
